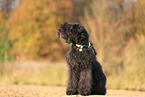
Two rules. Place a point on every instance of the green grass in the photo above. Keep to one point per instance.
(54, 74)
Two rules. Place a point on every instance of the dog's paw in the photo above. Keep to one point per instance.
(72, 92)
(85, 92)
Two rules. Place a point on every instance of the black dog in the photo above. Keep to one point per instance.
(85, 75)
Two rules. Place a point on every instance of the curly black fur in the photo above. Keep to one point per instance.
(85, 75)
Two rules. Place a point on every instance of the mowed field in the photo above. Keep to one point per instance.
(52, 91)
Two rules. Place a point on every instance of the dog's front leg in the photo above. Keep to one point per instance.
(72, 82)
(85, 82)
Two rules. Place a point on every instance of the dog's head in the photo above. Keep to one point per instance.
(73, 33)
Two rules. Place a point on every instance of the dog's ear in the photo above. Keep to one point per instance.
(82, 32)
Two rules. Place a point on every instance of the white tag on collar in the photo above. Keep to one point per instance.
(80, 50)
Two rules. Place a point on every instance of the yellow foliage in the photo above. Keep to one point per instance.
(0, 15)
(140, 14)
(33, 27)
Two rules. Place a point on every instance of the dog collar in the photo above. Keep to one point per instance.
(81, 46)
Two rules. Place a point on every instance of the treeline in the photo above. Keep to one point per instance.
(30, 26)
(28, 30)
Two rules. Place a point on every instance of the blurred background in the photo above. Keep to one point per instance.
(31, 53)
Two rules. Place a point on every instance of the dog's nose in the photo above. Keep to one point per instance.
(58, 34)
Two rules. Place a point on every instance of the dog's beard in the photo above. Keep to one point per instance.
(62, 39)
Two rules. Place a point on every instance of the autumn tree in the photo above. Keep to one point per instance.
(79, 9)
(110, 28)
(6, 6)
(33, 28)
(140, 14)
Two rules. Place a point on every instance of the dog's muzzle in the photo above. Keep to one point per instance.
(58, 34)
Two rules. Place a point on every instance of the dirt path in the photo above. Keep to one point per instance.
(46, 91)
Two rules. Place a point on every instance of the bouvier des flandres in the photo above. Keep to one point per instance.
(85, 75)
